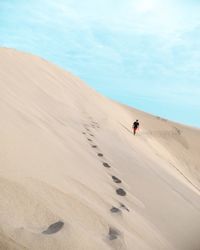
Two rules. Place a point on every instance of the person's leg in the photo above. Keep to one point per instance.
(134, 131)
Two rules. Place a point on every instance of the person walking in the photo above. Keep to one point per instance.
(135, 126)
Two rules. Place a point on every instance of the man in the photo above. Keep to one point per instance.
(135, 126)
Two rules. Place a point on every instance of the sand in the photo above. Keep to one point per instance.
(74, 177)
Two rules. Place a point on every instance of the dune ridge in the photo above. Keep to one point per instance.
(73, 176)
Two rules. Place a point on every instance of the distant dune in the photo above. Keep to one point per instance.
(74, 177)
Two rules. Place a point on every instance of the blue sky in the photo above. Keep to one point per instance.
(144, 53)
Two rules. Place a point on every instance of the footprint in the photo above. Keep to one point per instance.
(94, 146)
(96, 124)
(54, 228)
(91, 135)
(89, 139)
(120, 192)
(83, 133)
(115, 210)
(116, 180)
(106, 165)
(100, 155)
(124, 207)
(113, 233)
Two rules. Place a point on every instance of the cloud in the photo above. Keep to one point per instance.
(147, 49)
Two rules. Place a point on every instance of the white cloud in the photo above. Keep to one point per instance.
(145, 6)
(137, 46)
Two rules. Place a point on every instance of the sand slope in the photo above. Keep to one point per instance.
(72, 175)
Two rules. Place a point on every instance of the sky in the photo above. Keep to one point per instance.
(143, 53)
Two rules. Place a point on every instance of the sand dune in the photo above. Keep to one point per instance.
(73, 176)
